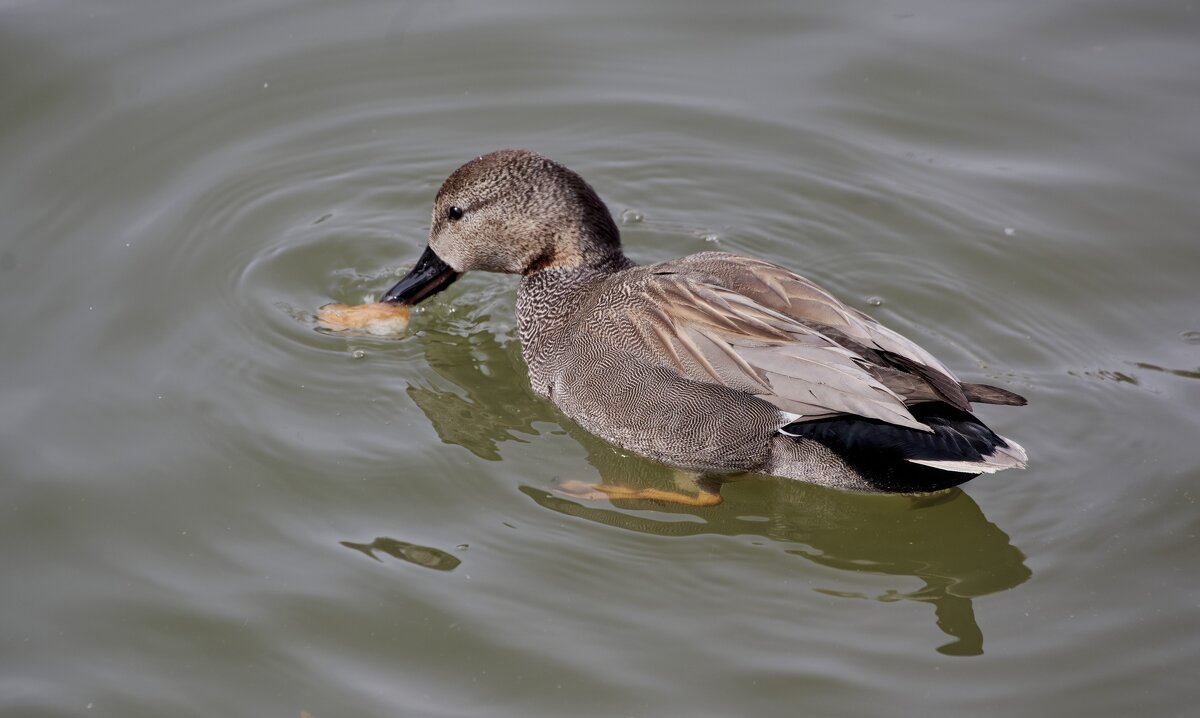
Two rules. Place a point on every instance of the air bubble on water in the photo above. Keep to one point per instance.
(463, 546)
(712, 238)
(632, 216)
(357, 354)
(875, 301)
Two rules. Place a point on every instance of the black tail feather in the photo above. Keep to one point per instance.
(882, 452)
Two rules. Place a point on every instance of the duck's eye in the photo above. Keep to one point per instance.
(454, 213)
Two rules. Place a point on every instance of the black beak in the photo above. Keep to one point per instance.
(429, 276)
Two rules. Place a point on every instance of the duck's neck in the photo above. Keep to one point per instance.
(547, 304)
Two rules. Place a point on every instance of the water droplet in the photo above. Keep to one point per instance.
(357, 354)
(463, 546)
(875, 301)
(1009, 231)
(1190, 337)
(712, 238)
(632, 216)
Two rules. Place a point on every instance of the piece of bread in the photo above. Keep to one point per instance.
(381, 320)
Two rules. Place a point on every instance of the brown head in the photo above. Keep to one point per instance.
(511, 211)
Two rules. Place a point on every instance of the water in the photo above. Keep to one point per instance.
(210, 508)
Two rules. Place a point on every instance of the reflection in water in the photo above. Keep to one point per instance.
(493, 399)
(944, 540)
(426, 556)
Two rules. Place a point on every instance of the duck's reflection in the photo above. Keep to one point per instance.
(491, 403)
(944, 540)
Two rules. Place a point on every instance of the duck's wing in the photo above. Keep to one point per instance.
(760, 328)
(897, 361)
(708, 333)
(902, 365)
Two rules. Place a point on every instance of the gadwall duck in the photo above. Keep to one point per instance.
(711, 363)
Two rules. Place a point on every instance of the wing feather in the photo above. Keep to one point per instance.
(712, 334)
(799, 299)
(757, 327)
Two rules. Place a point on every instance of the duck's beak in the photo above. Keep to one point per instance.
(429, 276)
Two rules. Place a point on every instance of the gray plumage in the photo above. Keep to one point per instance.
(713, 362)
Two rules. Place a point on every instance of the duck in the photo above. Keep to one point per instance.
(714, 364)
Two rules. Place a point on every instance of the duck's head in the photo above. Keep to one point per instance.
(510, 211)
